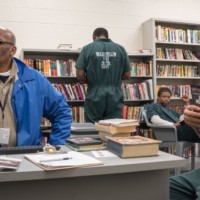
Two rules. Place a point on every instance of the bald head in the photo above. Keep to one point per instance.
(7, 48)
(8, 35)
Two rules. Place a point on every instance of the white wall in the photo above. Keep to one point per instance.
(46, 23)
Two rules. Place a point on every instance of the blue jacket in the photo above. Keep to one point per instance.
(33, 97)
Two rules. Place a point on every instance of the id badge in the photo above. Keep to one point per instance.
(4, 135)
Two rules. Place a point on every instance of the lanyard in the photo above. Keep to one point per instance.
(4, 104)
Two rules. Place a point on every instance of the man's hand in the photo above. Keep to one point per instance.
(186, 99)
(192, 116)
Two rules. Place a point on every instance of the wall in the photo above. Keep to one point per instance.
(47, 23)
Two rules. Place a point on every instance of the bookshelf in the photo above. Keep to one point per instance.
(176, 46)
(37, 59)
(142, 72)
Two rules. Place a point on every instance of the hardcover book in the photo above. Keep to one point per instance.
(83, 129)
(119, 122)
(86, 148)
(135, 146)
(104, 135)
(84, 142)
(195, 90)
(115, 129)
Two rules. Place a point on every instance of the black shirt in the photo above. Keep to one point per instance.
(3, 78)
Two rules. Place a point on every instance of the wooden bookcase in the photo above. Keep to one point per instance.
(169, 41)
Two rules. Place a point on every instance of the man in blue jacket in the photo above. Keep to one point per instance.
(25, 97)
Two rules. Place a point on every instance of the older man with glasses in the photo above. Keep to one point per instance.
(25, 97)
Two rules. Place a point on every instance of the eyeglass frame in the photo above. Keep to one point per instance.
(2, 43)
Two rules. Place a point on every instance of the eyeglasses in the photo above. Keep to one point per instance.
(2, 43)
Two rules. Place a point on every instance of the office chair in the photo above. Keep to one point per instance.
(168, 136)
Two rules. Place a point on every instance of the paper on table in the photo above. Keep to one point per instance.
(119, 122)
(75, 159)
(103, 154)
(9, 163)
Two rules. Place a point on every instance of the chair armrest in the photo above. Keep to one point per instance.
(161, 126)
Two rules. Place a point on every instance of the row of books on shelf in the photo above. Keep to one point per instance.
(77, 116)
(132, 112)
(175, 54)
(141, 69)
(67, 67)
(53, 67)
(170, 34)
(177, 71)
(138, 91)
(177, 90)
(72, 91)
(129, 112)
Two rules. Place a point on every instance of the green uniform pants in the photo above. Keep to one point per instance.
(185, 186)
(103, 102)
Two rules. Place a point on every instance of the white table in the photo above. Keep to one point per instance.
(118, 179)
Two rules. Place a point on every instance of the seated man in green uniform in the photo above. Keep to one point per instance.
(103, 65)
(160, 114)
(186, 186)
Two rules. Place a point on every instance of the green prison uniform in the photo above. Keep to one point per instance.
(184, 132)
(185, 186)
(104, 63)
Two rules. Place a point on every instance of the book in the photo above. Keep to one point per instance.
(195, 90)
(114, 130)
(119, 122)
(9, 163)
(104, 135)
(60, 161)
(136, 146)
(84, 142)
(83, 128)
(92, 148)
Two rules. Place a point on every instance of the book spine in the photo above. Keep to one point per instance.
(114, 147)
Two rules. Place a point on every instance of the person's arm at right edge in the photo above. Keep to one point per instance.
(192, 117)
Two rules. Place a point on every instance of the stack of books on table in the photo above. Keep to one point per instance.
(135, 146)
(85, 144)
(116, 128)
(84, 130)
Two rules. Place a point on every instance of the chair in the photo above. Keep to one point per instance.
(168, 136)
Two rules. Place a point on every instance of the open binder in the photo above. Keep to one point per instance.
(71, 159)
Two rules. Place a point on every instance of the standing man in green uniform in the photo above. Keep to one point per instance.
(103, 65)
